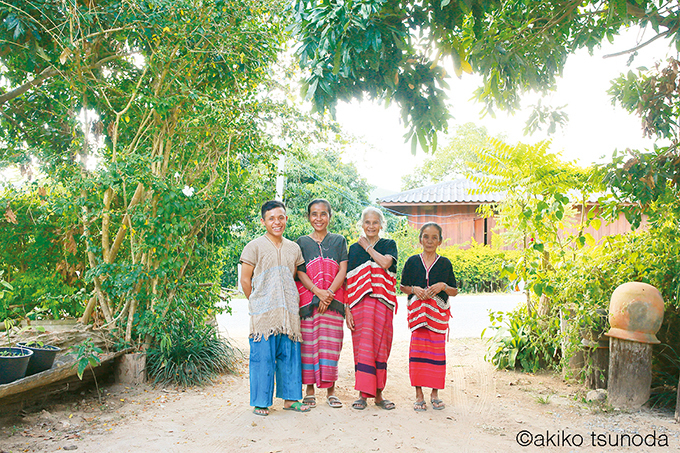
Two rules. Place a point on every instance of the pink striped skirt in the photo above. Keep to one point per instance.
(320, 349)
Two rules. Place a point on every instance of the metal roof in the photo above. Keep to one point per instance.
(460, 190)
(456, 191)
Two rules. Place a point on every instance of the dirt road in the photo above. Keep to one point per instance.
(487, 411)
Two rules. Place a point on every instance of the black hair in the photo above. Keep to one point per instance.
(271, 204)
(316, 201)
(430, 224)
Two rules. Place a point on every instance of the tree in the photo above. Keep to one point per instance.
(151, 117)
(391, 50)
(446, 161)
(537, 213)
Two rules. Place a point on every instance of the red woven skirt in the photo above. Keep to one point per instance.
(372, 342)
(427, 359)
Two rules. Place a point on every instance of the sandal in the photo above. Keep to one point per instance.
(420, 406)
(309, 400)
(334, 402)
(261, 411)
(437, 404)
(297, 407)
(359, 404)
(386, 404)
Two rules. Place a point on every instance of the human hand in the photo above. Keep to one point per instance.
(349, 319)
(322, 307)
(364, 243)
(420, 292)
(436, 289)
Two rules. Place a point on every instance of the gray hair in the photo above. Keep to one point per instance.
(376, 211)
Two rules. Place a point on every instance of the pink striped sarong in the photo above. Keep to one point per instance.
(372, 342)
(320, 349)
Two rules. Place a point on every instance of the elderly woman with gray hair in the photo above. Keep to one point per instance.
(371, 295)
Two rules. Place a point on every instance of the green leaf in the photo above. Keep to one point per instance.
(338, 58)
(539, 247)
(596, 223)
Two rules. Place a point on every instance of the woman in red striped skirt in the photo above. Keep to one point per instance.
(428, 280)
(371, 294)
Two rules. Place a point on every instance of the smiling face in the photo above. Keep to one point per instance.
(319, 217)
(430, 239)
(274, 221)
(372, 226)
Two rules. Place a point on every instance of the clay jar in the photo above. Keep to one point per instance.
(636, 312)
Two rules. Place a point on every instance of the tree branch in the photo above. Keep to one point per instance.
(125, 223)
(638, 47)
(18, 91)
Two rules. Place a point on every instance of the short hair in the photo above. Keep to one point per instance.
(271, 204)
(427, 225)
(373, 210)
(317, 201)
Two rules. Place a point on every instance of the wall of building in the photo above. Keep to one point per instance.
(461, 223)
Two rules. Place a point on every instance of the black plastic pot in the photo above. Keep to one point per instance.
(42, 358)
(13, 367)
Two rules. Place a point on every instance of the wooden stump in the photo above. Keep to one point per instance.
(598, 367)
(630, 373)
(131, 368)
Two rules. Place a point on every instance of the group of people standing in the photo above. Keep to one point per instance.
(300, 294)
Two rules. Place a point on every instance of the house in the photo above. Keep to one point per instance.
(454, 206)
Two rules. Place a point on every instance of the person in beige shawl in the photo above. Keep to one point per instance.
(269, 264)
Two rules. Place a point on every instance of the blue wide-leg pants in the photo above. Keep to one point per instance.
(279, 357)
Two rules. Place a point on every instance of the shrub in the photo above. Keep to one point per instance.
(519, 340)
(41, 291)
(189, 352)
(478, 268)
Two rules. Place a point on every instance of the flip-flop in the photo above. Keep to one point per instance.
(334, 402)
(309, 400)
(420, 406)
(297, 407)
(261, 411)
(359, 404)
(437, 404)
(386, 404)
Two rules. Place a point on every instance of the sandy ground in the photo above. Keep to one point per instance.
(487, 411)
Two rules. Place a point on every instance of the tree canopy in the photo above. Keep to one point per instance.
(147, 120)
(392, 50)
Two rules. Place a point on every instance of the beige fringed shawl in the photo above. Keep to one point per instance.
(274, 304)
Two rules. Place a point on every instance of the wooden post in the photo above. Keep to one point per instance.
(677, 407)
(130, 368)
(630, 373)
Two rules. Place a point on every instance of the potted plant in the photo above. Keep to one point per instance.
(13, 363)
(17, 361)
(42, 358)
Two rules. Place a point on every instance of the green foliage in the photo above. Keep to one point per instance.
(447, 160)
(653, 95)
(394, 50)
(189, 352)
(537, 214)
(478, 268)
(38, 291)
(324, 175)
(148, 121)
(86, 354)
(519, 340)
(408, 245)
